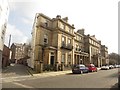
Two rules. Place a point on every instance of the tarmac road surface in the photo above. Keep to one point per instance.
(100, 79)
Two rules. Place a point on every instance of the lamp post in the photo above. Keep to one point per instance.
(62, 66)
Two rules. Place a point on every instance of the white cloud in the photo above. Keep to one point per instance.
(16, 35)
(27, 21)
(97, 17)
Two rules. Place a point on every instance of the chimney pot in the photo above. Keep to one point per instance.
(58, 16)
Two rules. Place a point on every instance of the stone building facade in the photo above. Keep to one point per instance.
(80, 56)
(93, 47)
(55, 43)
(104, 54)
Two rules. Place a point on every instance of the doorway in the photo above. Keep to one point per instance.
(52, 60)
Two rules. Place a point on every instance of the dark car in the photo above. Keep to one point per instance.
(80, 69)
(92, 68)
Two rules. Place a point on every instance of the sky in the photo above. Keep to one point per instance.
(97, 17)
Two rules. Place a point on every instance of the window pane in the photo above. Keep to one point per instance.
(69, 41)
(45, 39)
(63, 38)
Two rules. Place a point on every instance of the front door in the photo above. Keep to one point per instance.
(52, 60)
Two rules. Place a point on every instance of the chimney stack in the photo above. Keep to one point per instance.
(100, 41)
(73, 25)
(81, 31)
(93, 35)
(65, 19)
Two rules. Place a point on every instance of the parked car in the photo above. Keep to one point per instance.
(105, 67)
(92, 68)
(80, 68)
(117, 66)
(111, 66)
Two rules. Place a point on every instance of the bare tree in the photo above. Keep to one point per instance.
(114, 58)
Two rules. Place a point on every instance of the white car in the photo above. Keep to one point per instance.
(105, 68)
(117, 66)
(111, 66)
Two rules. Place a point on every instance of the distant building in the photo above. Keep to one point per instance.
(4, 11)
(19, 52)
(104, 54)
(92, 46)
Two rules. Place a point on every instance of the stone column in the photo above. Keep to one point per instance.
(56, 66)
(79, 59)
(98, 63)
(75, 60)
(62, 66)
(37, 66)
(101, 62)
(41, 67)
(73, 54)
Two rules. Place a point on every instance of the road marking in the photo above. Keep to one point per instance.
(25, 86)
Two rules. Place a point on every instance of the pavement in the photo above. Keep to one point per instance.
(53, 73)
(17, 71)
(100, 79)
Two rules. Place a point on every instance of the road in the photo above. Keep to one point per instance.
(100, 79)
